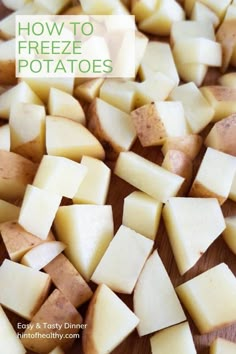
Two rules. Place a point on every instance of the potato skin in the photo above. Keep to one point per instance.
(189, 144)
(7, 72)
(226, 36)
(200, 191)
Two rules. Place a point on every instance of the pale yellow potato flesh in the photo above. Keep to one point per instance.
(202, 296)
(155, 301)
(222, 346)
(229, 234)
(27, 292)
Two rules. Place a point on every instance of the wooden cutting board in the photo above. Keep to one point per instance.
(217, 253)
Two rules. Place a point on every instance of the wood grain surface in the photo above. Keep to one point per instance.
(218, 252)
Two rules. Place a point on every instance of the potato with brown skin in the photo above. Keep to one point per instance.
(226, 36)
(18, 241)
(189, 144)
(15, 173)
(179, 163)
(55, 311)
(223, 135)
(67, 279)
(7, 63)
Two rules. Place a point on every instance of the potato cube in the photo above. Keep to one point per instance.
(177, 339)
(18, 241)
(228, 80)
(222, 135)
(109, 321)
(198, 112)
(7, 62)
(38, 204)
(158, 58)
(9, 342)
(203, 13)
(58, 316)
(27, 129)
(189, 144)
(139, 203)
(147, 176)
(15, 173)
(8, 211)
(184, 223)
(27, 292)
(67, 279)
(54, 7)
(229, 234)
(67, 138)
(19, 93)
(143, 9)
(191, 29)
(50, 175)
(89, 90)
(210, 298)
(5, 140)
(123, 261)
(87, 230)
(158, 120)
(179, 163)
(212, 165)
(222, 99)
(222, 346)
(93, 191)
(63, 104)
(155, 301)
(39, 256)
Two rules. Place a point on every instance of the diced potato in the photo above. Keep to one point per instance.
(109, 321)
(155, 301)
(18, 241)
(53, 7)
(191, 72)
(191, 29)
(222, 135)
(99, 7)
(67, 138)
(5, 140)
(117, 134)
(7, 63)
(27, 130)
(89, 90)
(141, 42)
(155, 88)
(201, 12)
(63, 104)
(118, 93)
(228, 80)
(177, 339)
(179, 163)
(57, 315)
(222, 346)
(42, 86)
(9, 342)
(222, 99)
(143, 9)
(188, 235)
(229, 233)
(50, 175)
(160, 22)
(87, 230)
(123, 261)
(67, 279)
(226, 37)
(15, 173)
(139, 203)
(23, 289)
(8, 211)
(189, 144)
(74, 10)
(206, 184)
(39, 256)
(198, 51)
(19, 93)
(210, 298)
(158, 120)
(38, 204)
(158, 58)
(219, 7)
(147, 176)
(93, 191)
(198, 112)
